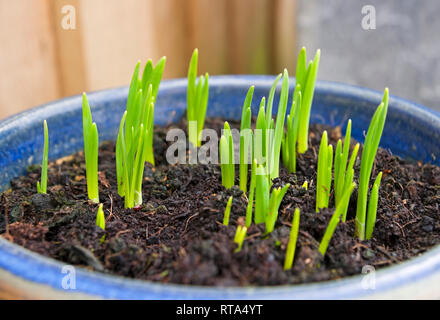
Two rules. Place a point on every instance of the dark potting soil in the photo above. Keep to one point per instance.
(177, 235)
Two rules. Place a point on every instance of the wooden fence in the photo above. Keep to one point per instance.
(42, 60)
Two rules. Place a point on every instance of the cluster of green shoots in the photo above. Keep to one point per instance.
(297, 134)
(324, 177)
(263, 144)
(197, 101)
(343, 177)
(263, 147)
(344, 174)
(267, 203)
(134, 145)
(365, 222)
(91, 144)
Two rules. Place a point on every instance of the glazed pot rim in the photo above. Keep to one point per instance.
(47, 271)
(350, 90)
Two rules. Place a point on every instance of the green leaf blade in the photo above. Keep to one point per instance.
(227, 212)
(293, 237)
(334, 221)
(306, 104)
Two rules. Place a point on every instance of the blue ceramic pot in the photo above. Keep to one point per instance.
(411, 131)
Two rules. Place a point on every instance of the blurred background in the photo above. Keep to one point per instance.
(56, 48)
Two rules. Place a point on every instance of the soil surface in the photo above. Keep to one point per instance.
(177, 235)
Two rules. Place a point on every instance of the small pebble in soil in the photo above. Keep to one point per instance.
(16, 213)
(116, 245)
(161, 209)
(43, 201)
(76, 254)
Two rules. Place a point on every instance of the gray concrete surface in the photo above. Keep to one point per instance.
(402, 53)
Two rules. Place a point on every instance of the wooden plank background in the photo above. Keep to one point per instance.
(40, 61)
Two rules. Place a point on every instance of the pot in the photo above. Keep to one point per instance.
(411, 131)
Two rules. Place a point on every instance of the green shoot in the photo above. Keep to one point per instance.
(140, 105)
(341, 158)
(42, 188)
(368, 155)
(227, 212)
(324, 178)
(306, 78)
(260, 145)
(227, 157)
(270, 102)
(305, 185)
(275, 145)
(91, 144)
(266, 203)
(100, 219)
(343, 174)
(349, 177)
(131, 169)
(291, 246)
(284, 151)
(292, 131)
(244, 143)
(268, 136)
(197, 101)
(334, 221)
(298, 120)
(263, 134)
(240, 234)
(251, 194)
(372, 207)
(276, 197)
(261, 195)
(134, 145)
